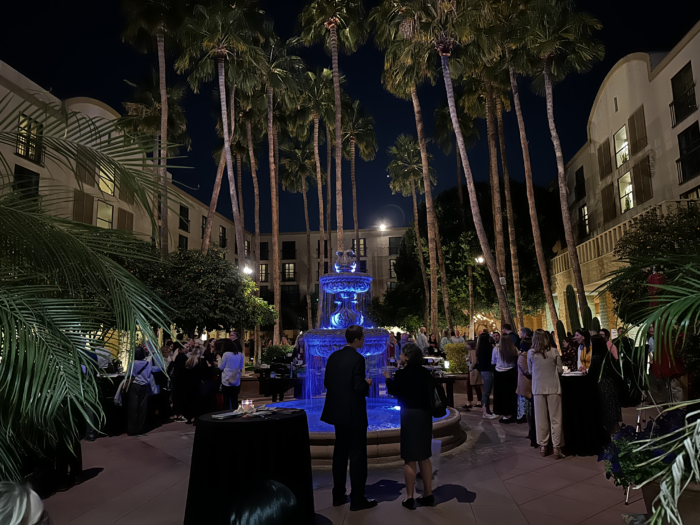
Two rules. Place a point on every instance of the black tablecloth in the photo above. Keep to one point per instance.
(584, 434)
(230, 455)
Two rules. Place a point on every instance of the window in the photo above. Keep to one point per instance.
(264, 251)
(641, 181)
(684, 101)
(363, 247)
(125, 220)
(394, 245)
(182, 242)
(204, 225)
(184, 218)
(604, 159)
(26, 182)
(289, 250)
(622, 153)
(638, 131)
(584, 228)
(247, 248)
(362, 268)
(688, 164)
(223, 242)
(106, 183)
(693, 194)
(85, 168)
(615, 102)
(105, 215)
(325, 267)
(127, 195)
(29, 143)
(289, 271)
(318, 249)
(82, 207)
(290, 293)
(264, 276)
(391, 285)
(624, 184)
(609, 207)
(392, 269)
(580, 189)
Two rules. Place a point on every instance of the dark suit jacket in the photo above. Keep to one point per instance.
(346, 389)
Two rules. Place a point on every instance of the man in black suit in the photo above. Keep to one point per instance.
(346, 409)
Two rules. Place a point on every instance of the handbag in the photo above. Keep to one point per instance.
(129, 380)
(438, 401)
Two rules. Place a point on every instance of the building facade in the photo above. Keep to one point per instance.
(642, 155)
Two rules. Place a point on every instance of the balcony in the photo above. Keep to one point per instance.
(683, 105)
(689, 165)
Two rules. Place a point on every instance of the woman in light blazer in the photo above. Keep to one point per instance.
(545, 366)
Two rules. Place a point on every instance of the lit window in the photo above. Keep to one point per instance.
(106, 183)
(622, 154)
(392, 269)
(583, 222)
(263, 273)
(105, 214)
(247, 248)
(363, 247)
(289, 271)
(626, 194)
(29, 140)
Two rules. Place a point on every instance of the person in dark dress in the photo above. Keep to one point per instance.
(178, 385)
(413, 387)
(199, 386)
(603, 372)
(346, 409)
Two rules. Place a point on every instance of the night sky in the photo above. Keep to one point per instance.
(73, 48)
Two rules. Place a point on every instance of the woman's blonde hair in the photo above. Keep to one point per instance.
(541, 342)
(194, 358)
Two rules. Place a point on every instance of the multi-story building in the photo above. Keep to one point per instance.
(95, 200)
(643, 152)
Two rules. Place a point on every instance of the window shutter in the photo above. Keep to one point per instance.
(637, 183)
(82, 207)
(645, 181)
(88, 209)
(85, 169)
(601, 162)
(607, 157)
(641, 125)
(609, 209)
(125, 220)
(632, 134)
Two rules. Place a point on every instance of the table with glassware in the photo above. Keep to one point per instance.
(233, 451)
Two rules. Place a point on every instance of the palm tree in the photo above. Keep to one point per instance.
(339, 24)
(282, 73)
(300, 165)
(147, 19)
(214, 35)
(358, 133)
(406, 172)
(562, 40)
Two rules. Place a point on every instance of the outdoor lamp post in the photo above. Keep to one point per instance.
(479, 259)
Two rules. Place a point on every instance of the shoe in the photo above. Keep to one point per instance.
(339, 502)
(557, 453)
(363, 504)
(427, 501)
(90, 437)
(409, 503)
(490, 416)
(544, 452)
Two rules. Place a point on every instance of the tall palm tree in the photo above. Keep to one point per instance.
(406, 173)
(300, 167)
(444, 25)
(214, 35)
(563, 41)
(358, 134)
(282, 73)
(340, 24)
(146, 20)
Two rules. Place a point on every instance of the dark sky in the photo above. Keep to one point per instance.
(74, 48)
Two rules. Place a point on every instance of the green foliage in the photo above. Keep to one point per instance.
(587, 318)
(595, 326)
(572, 309)
(652, 236)
(273, 352)
(561, 333)
(457, 355)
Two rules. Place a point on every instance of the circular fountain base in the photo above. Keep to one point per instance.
(383, 433)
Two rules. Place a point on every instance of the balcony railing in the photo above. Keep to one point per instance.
(289, 277)
(605, 243)
(683, 105)
(689, 165)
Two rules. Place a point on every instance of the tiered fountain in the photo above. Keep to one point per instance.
(350, 292)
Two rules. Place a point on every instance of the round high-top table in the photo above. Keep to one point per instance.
(230, 455)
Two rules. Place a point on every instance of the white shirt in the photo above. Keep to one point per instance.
(422, 341)
(501, 366)
(230, 363)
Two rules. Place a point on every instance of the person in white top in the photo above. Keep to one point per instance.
(20, 505)
(232, 363)
(422, 340)
(504, 357)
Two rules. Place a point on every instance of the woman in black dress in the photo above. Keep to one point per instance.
(607, 379)
(413, 386)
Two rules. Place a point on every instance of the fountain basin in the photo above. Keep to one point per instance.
(323, 343)
(383, 433)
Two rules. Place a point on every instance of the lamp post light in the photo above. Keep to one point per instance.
(247, 270)
(382, 227)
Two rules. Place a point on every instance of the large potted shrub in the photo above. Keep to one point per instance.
(456, 354)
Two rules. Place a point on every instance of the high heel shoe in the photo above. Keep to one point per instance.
(409, 503)
(427, 501)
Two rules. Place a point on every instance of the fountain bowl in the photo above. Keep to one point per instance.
(324, 342)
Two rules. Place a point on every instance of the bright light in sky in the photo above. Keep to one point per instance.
(382, 227)
(480, 259)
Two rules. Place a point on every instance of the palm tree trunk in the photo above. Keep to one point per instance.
(534, 221)
(443, 279)
(432, 257)
(229, 164)
(239, 168)
(277, 291)
(310, 320)
(322, 234)
(354, 196)
(329, 189)
(470, 272)
(460, 190)
(256, 244)
(476, 214)
(419, 250)
(515, 265)
(338, 139)
(164, 247)
(495, 187)
(563, 190)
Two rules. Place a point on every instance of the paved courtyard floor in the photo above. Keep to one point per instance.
(495, 478)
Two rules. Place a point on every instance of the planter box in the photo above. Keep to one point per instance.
(688, 503)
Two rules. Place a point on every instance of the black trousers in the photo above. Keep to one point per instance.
(230, 394)
(137, 408)
(350, 444)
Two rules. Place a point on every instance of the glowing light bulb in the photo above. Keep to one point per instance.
(382, 227)
(247, 270)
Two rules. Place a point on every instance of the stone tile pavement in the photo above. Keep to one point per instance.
(494, 478)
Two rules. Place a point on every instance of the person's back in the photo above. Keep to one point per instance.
(346, 389)
(545, 370)
(412, 387)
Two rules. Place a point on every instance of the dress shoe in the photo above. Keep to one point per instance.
(363, 504)
(427, 501)
(409, 503)
(338, 502)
